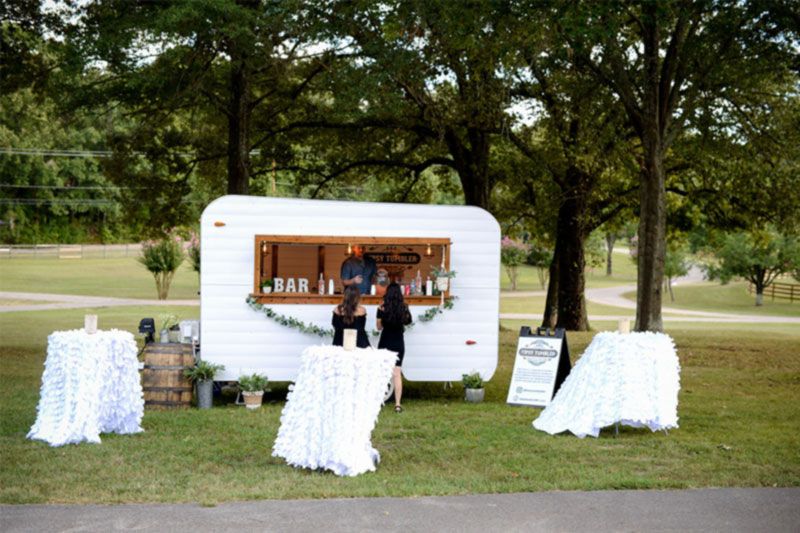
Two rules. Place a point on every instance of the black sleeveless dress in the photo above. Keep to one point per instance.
(359, 324)
(392, 337)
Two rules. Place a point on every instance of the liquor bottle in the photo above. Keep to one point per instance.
(331, 288)
(413, 287)
(321, 284)
(428, 286)
(419, 283)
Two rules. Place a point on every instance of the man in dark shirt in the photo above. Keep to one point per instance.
(359, 270)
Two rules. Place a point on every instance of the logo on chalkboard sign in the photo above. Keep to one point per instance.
(537, 352)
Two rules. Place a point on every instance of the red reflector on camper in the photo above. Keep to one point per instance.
(471, 342)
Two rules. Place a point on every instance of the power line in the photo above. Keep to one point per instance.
(67, 187)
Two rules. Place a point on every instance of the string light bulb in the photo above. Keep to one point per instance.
(264, 247)
(428, 252)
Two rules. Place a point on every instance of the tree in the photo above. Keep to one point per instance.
(758, 256)
(513, 254)
(229, 68)
(578, 143)
(428, 74)
(540, 257)
(664, 61)
(162, 258)
(676, 265)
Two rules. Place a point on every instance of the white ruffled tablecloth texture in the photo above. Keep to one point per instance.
(330, 413)
(90, 385)
(631, 379)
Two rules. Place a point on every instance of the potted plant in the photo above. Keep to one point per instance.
(168, 323)
(253, 388)
(443, 277)
(203, 374)
(266, 286)
(473, 387)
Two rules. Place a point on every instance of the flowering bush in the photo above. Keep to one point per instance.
(162, 258)
(513, 254)
(193, 252)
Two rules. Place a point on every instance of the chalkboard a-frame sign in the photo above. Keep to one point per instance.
(540, 367)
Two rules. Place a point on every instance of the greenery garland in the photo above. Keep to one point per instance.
(299, 325)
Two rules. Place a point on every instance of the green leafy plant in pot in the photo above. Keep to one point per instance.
(253, 388)
(203, 374)
(442, 277)
(473, 387)
(266, 286)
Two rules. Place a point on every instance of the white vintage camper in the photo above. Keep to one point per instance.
(248, 239)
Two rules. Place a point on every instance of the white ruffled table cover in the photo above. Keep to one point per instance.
(90, 386)
(330, 413)
(631, 379)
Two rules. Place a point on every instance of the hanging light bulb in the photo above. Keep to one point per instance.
(264, 247)
(349, 249)
(428, 252)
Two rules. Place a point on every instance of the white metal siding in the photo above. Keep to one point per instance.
(246, 341)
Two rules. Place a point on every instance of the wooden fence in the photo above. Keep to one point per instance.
(782, 291)
(69, 251)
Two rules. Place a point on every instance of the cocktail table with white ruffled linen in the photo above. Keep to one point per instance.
(90, 385)
(630, 379)
(330, 413)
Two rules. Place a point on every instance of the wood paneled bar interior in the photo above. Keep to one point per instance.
(307, 257)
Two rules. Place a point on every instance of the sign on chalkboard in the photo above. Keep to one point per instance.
(540, 367)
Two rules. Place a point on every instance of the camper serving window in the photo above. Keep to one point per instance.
(307, 270)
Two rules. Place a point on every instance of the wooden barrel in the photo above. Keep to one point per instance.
(162, 378)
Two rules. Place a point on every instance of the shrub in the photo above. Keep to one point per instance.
(162, 258)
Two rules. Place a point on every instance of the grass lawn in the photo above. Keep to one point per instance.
(535, 305)
(731, 298)
(122, 277)
(738, 411)
(624, 273)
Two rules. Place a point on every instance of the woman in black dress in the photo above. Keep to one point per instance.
(393, 316)
(350, 315)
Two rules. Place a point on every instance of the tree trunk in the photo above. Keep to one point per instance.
(610, 240)
(652, 233)
(472, 165)
(550, 316)
(760, 278)
(571, 264)
(239, 131)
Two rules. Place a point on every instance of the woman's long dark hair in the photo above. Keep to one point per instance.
(394, 308)
(350, 300)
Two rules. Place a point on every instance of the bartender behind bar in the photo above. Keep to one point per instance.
(359, 270)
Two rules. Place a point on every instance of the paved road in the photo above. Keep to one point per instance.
(749, 510)
(72, 301)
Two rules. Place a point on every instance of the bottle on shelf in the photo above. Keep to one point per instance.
(428, 286)
(419, 283)
(331, 288)
(321, 284)
(412, 287)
